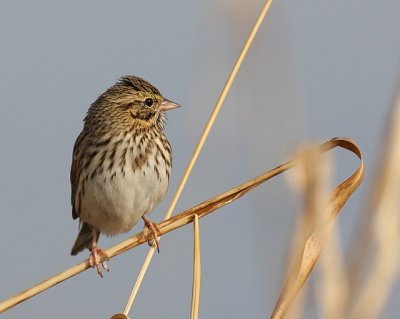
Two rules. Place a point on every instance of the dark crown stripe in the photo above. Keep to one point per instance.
(139, 84)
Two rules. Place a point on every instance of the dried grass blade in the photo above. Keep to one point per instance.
(194, 312)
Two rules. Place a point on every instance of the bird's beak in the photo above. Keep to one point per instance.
(167, 105)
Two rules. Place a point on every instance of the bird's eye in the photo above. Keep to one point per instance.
(149, 102)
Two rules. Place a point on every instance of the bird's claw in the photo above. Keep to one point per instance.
(155, 230)
(94, 260)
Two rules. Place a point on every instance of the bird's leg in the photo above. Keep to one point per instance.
(94, 259)
(155, 230)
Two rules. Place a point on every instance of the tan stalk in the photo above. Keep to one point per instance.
(310, 179)
(313, 183)
(332, 281)
(187, 217)
(139, 280)
(202, 140)
(194, 310)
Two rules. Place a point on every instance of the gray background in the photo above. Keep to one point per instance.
(318, 69)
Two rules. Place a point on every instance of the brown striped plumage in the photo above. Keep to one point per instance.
(121, 162)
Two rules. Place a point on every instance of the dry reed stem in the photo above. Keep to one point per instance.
(218, 106)
(312, 246)
(186, 217)
(381, 232)
(201, 142)
(296, 308)
(136, 287)
(311, 178)
(194, 310)
(332, 282)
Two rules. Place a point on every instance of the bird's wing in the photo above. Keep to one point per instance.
(74, 175)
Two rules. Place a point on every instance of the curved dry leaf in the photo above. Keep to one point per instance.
(315, 240)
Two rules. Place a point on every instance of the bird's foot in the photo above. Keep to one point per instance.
(154, 229)
(94, 260)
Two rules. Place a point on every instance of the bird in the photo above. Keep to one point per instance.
(121, 164)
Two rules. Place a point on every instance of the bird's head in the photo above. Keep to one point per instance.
(132, 102)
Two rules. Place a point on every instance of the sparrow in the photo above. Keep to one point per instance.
(121, 164)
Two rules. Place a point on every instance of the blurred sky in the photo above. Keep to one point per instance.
(317, 69)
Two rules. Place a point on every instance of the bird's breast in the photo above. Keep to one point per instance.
(123, 181)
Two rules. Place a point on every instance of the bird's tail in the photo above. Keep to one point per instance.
(84, 239)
